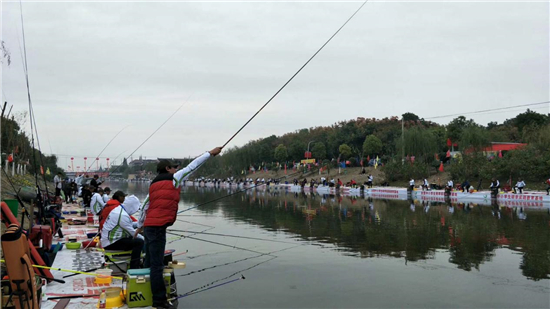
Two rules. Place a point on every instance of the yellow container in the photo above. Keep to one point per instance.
(114, 297)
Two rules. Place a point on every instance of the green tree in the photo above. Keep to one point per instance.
(455, 127)
(475, 138)
(418, 142)
(319, 151)
(529, 118)
(280, 153)
(372, 145)
(410, 117)
(345, 150)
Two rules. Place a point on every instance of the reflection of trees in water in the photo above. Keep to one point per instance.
(389, 228)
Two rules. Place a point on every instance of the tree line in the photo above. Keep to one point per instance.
(420, 143)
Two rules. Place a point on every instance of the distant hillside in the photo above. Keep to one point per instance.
(389, 139)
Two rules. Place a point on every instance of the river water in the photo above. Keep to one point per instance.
(311, 251)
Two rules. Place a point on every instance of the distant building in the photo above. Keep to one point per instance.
(495, 148)
(141, 162)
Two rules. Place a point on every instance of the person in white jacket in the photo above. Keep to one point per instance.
(97, 203)
(119, 230)
(106, 193)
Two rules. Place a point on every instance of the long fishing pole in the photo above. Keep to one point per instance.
(237, 272)
(109, 143)
(217, 243)
(240, 260)
(31, 111)
(206, 289)
(227, 235)
(172, 115)
(67, 270)
(291, 78)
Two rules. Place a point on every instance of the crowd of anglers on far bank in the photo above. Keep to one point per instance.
(465, 186)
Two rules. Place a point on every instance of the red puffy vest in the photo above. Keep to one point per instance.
(163, 201)
(104, 213)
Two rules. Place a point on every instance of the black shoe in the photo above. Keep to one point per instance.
(164, 304)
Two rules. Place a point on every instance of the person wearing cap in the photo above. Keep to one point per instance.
(158, 212)
(118, 198)
(118, 230)
(106, 193)
(95, 182)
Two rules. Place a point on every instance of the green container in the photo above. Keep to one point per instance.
(14, 206)
(139, 288)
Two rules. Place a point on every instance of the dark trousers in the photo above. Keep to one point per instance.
(57, 192)
(135, 244)
(155, 236)
(520, 189)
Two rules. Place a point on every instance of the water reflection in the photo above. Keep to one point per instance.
(412, 230)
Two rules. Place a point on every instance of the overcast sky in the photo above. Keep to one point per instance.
(97, 67)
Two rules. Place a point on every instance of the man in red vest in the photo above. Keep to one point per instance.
(159, 212)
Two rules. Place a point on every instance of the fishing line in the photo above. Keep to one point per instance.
(217, 243)
(291, 78)
(109, 143)
(237, 272)
(31, 110)
(215, 286)
(172, 115)
(181, 220)
(488, 110)
(226, 235)
(207, 254)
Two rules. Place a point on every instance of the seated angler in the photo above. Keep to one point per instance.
(97, 202)
(118, 230)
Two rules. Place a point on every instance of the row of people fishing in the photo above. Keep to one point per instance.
(467, 187)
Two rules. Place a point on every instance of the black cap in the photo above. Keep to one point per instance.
(107, 189)
(118, 194)
(163, 164)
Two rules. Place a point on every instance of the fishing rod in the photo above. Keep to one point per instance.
(237, 272)
(209, 288)
(217, 243)
(240, 260)
(172, 115)
(236, 236)
(109, 143)
(66, 270)
(72, 271)
(31, 111)
(291, 78)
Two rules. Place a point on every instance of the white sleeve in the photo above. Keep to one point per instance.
(184, 173)
(127, 223)
(143, 213)
(97, 203)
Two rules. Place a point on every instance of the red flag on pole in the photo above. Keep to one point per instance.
(41, 170)
(285, 168)
(10, 158)
(500, 153)
(449, 143)
(441, 167)
(448, 153)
